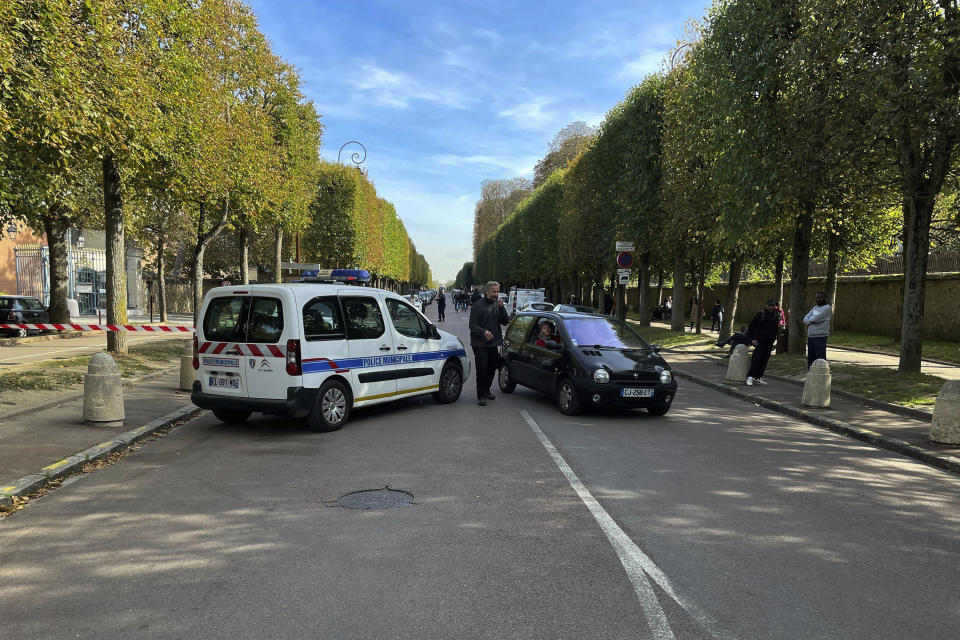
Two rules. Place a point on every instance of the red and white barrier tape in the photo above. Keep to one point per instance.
(100, 327)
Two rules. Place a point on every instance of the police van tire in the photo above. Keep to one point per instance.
(451, 384)
(231, 416)
(332, 407)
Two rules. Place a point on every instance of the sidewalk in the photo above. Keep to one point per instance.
(895, 428)
(52, 441)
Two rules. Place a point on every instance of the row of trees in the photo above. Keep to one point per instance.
(789, 129)
(171, 121)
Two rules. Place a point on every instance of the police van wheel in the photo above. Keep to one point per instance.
(332, 407)
(451, 384)
(231, 416)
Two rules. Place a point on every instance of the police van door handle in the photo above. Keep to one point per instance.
(233, 352)
(384, 347)
(402, 347)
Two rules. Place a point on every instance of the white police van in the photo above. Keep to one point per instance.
(317, 350)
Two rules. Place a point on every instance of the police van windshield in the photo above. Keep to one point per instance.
(603, 332)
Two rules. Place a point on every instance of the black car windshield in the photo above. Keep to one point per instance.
(603, 332)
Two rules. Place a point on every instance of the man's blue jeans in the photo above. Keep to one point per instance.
(816, 349)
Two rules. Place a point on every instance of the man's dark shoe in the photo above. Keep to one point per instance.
(490, 396)
(482, 402)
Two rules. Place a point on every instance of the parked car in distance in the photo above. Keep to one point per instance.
(574, 308)
(595, 361)
(416, 301)
(22, 310)
(537, 306)
(518, 297)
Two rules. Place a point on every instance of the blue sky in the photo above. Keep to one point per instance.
(444, 95)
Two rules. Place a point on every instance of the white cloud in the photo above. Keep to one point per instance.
(637, 69)
(519, 166)
(531, 114)
(398, 90)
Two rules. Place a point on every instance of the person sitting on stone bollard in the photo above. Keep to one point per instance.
(739, 337)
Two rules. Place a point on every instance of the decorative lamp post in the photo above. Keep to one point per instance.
(12, 231)
(355, 157)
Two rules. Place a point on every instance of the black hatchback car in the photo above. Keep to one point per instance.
(593, 361)
(22, 310)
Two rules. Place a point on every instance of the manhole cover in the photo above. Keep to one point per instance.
(385, 498)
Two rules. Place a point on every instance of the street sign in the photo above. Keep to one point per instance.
(625, 277)
(624, 246)
(624, 259)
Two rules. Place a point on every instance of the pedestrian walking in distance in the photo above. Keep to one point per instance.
(716, 316)
(818, 329)
(486, 316)
(441, 307)
(763, 330)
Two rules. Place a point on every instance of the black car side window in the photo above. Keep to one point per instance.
(518, 328)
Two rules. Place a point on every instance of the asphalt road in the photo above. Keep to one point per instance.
(719, 520)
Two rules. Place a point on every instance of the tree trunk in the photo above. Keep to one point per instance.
(833, 270)
(55, 229)
(643, 299)
(677, 319)
(778, 277)
(245, 256)
(277, 258)
(799, 272)
(161, 278)
(733, 294)
(701, 287)
(915, 260)
(203, 240)
(116, 254)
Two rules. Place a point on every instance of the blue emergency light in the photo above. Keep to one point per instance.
(350, 276)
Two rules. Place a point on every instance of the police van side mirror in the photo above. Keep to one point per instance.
(433, 333)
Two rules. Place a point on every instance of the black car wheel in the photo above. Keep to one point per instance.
(231, 416)
(506, 383)
(658, 411)
(451, 384)
(567, 398)
(332, 408)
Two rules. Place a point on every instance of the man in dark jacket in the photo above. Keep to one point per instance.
(763, 330)
(486, 316)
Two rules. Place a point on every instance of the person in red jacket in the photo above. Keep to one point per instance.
(546, 337)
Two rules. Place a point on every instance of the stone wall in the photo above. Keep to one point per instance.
(865, 304)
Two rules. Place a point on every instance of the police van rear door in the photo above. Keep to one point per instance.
(264, 353)
(223, 333)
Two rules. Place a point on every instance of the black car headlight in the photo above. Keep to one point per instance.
(602, 376)
(666, 377)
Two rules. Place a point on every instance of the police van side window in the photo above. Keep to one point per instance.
(226, 319)
(322, 319)
(406, 320)
(266, 320)
(363, 318)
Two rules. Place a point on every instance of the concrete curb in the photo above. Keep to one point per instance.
(72, 464)
(69, 397)
(943, 462)
(907, 412)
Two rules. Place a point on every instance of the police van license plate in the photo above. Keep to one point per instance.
(224, 382)
(636, 392)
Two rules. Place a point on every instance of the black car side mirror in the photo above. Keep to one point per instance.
(655, 347)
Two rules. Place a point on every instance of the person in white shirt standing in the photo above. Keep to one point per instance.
(818, 328)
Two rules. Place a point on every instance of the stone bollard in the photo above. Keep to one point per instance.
(739, 364)
(945, 426)
(816, 387)
(103, 392)
(186, 366)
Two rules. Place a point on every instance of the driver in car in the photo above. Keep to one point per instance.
(546, 338)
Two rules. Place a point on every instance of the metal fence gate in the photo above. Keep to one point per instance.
(86, 275)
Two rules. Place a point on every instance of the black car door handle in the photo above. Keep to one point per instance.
(384, 348)
(402, 347)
